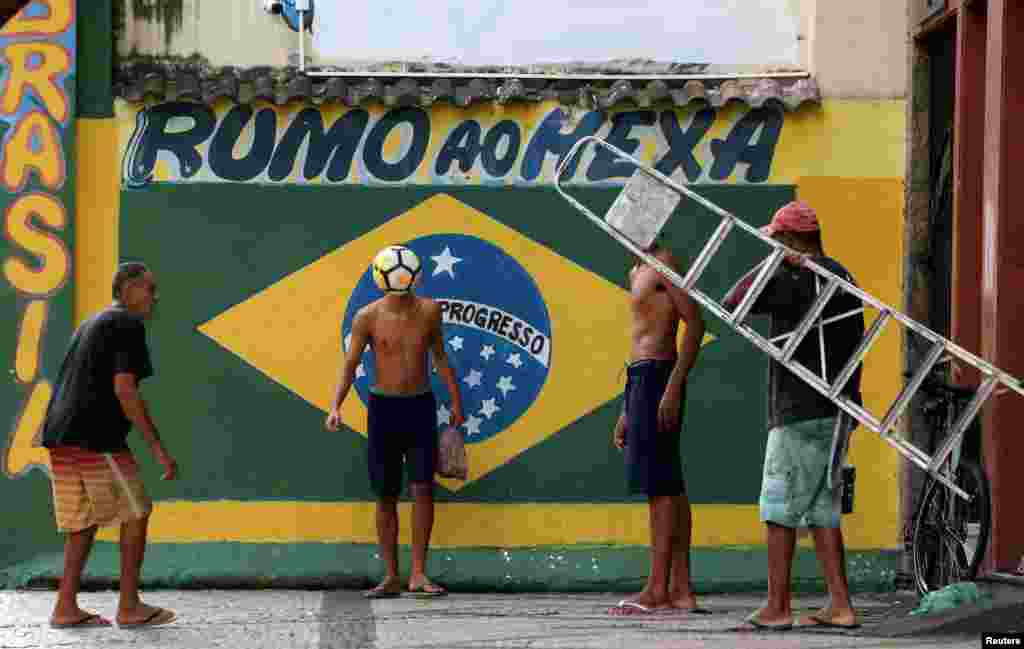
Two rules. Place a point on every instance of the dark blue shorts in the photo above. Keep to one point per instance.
(402, 430)
(653, 463)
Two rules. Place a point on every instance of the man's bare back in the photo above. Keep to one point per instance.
(655, 316)
(401, 332)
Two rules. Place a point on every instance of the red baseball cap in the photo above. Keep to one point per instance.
(797, 216)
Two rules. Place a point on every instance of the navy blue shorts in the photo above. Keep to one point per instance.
(402, 430)
(653, 463)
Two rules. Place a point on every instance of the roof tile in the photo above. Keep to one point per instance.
(138, 82)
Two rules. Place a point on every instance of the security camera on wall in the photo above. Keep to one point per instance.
(275, 7)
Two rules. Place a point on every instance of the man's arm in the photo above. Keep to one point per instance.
(690, 314)
(735, 295)
(670, 409)
(440, 359)
(349, 362)
(782, 291)
(126, 388)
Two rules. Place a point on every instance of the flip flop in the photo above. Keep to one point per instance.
(758, 624)
(90, 621)
(381, 593)
(818, 621)
(626, 607)
(159, 617)
(427, 591)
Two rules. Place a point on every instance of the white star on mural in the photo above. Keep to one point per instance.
(444, 416)
(473, 425)
(487, 352)
(474, 378)
(515, 361)
(506, 386)
(489, 408)
(445, 263)
(360, 371)
(456, 343)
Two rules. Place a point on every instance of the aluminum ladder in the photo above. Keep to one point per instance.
(640, 213)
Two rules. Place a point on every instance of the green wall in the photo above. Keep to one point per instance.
(242, 436)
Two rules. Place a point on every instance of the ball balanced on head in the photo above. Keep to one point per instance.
(395, 269)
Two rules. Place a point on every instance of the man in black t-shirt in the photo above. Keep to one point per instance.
(96, 481)
(808, 434)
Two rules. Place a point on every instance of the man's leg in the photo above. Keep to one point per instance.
(421, 465)
(422, 525)
(130, 609)
(72, 510)
(133, 551)
(828, 543)
(663, 514)
(387, 540)
(77, 547)
(384, 463)
(681, 593)
(781, 546)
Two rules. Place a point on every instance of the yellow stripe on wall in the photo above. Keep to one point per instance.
(97, 210)
(456, 525)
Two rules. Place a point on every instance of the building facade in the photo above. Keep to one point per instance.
(259, 195)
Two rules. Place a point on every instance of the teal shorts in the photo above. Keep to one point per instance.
(798, 489)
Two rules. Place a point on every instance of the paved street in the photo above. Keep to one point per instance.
(344, 620)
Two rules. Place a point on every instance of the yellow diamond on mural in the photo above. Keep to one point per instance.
(537, 341)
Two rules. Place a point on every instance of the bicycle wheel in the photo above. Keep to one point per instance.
(951, 534)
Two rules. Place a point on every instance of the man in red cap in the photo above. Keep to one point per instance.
(809, 434)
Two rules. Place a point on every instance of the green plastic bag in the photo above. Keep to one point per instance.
(950, 597)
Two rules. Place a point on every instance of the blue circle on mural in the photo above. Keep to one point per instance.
(497, 332)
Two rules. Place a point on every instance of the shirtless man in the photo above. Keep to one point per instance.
(650, 426)
(402, 329)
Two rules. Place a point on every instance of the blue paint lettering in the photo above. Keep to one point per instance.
(766, 125)
(463, 145)
(499, 167)
(549, 139)
(151, 137)
(336, 146)
(373, 150)
(607, 165)
(681, 143)
(222, 148)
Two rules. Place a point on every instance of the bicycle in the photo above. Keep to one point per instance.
(950, 534)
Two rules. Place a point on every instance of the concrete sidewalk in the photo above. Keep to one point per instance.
(343, 620)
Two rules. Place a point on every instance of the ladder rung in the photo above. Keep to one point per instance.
(874, 331)
(984, 391)
(825, 321)
(908, 392)
(763, 277)
(816, 381)
(805, 325)
(710, 248)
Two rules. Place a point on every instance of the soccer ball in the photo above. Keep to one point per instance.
(395, 269)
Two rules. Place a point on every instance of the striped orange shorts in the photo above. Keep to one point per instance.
(96, 489)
